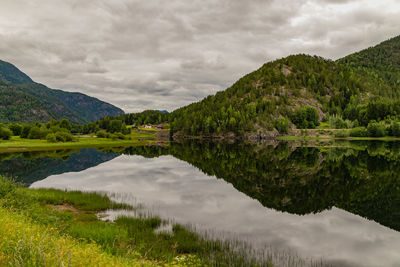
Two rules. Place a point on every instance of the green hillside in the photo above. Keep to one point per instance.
(26, 101)
(300, 91)
(381, 62)
(274, 91)
(19, 106)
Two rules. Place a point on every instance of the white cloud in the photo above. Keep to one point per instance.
(162, 55)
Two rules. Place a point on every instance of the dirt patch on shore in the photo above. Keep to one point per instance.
(65, 207)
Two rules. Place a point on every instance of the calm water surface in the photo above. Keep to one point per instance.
(337, 203)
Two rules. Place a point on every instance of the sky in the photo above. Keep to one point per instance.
(158, 54)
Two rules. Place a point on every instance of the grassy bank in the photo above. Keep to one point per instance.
(20, 144)
(46, 227)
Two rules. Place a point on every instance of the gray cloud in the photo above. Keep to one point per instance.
(153, 54)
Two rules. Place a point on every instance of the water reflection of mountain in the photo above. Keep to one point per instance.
(28, 167)
(363, 179)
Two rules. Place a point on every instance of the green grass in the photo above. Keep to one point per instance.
(80, 200)
(25, 243)
(65, 227)
(19, 144)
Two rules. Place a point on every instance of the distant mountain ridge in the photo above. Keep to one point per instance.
(23, 100)
(10, 73)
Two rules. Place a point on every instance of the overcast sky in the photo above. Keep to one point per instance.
(158, 54)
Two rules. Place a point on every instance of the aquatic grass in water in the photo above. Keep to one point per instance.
(213, 248)
(81, 200)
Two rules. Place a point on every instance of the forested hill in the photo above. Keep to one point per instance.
(381, 62)
(300, 91)
(23, 100)
(273, 93)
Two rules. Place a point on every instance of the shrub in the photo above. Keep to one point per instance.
(101, 134)
(118, 136)
(15, 128)
(38, 133)
(341, 133)
(51, 138)
(5, 133)
(63, 137)
(25, 130)
(336, 122)
(57, 128)
(376, 129)
(359, 132)
(395, 129)
(282, 125)
(306, 117)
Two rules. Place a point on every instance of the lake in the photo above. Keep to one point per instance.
(328, 203)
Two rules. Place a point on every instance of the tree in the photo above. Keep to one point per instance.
(115, 126)
(64, 123)
(5, 133)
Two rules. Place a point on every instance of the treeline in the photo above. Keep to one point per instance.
(53, 131)
(118, 124)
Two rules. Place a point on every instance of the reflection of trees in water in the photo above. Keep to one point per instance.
(363, 178)
(29, 167)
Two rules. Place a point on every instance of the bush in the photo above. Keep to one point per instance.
(376, 129)
(63, 137)
(394, 129)
(38, 133)
(5, 133)
(25, 131)
(341, 133)
(51, 138)
(57, 128)
(336, 122)
(306, 117)
(359, 132)
(15, 128)
(101, 134)
(282, 125)
(118, 136)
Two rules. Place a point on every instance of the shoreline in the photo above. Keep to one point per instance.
(17, 144)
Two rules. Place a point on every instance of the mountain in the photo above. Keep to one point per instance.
(277, 97)
(382, 62)
(23, 100)
(10, 73)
